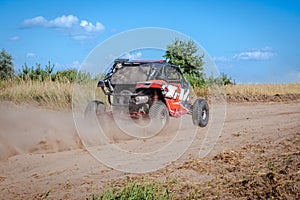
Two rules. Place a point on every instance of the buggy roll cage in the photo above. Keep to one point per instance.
(126, 62)
(106, 82)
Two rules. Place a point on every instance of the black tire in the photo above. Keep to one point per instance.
(200, 113)
(159, 113)
(94, 108)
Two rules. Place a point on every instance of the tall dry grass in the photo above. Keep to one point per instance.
(51, 94)
(262, 89)
(58, 95)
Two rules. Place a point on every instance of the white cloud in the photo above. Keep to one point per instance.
(132, 56)
(89, 27)
(58, 22)
(80, 37)
(38, 21)
(220, 59)
(74, 65)
(30, 55)
(63, 22)
(70, 24)
(267, 48)
(265, 53)
(14, 38)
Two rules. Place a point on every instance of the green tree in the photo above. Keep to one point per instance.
(184, 54)
(49, 68)
(6, 65)
(38, 71)
(25, 73)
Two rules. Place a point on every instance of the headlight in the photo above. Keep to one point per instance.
(141, 99)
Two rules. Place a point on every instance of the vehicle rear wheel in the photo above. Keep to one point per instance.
(200, 113)
(94, 108)
(159, 114)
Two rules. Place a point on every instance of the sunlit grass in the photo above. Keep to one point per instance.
(262, 89)
(58, 95)
(136, 190)
(51, 94)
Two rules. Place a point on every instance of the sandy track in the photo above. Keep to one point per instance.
(41, 155)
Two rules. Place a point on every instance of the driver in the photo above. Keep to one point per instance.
(119, 65)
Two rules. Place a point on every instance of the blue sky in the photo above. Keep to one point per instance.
(254, 41)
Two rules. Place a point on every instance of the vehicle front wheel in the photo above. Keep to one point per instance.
(200, 113)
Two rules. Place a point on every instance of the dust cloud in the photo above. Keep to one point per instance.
(27, 129)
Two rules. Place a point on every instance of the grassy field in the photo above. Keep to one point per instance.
(58, 95)
(50, 94)
(263, 89)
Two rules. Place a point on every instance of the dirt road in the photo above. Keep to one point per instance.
(41, 156)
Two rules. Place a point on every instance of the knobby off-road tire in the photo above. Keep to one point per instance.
(93, 109)
(159, 115)
(200, 113)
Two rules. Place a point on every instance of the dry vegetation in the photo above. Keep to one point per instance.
(271, 173)
(263, 92)
(263, 89)
(58, 95)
